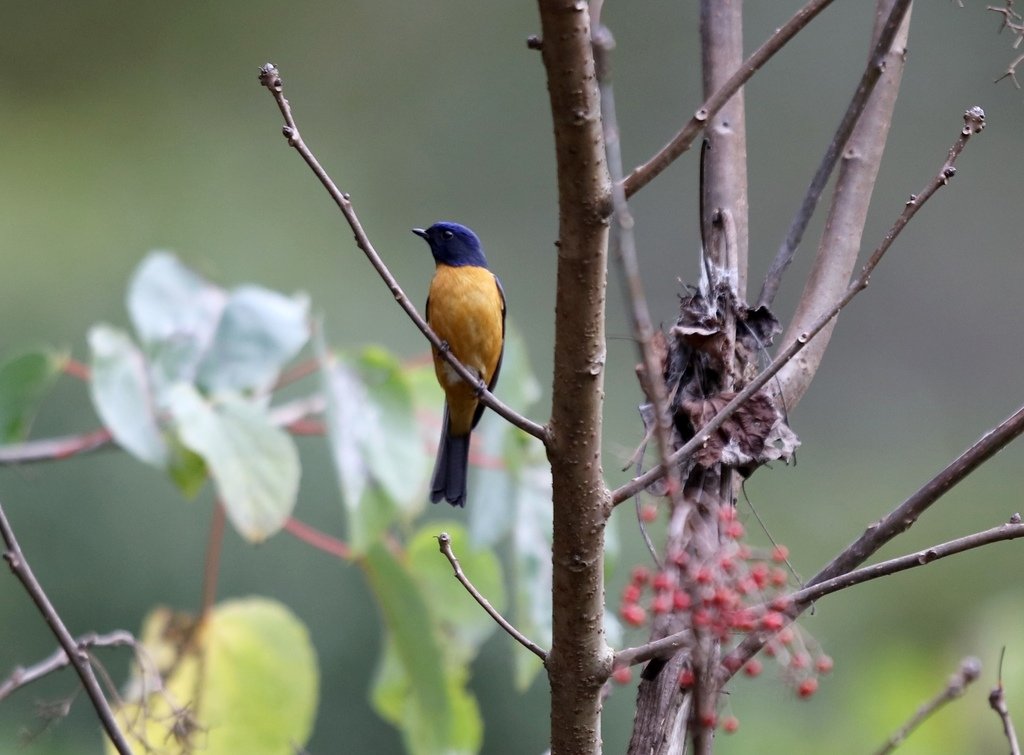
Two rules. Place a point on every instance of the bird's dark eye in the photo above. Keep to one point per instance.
(447, 235)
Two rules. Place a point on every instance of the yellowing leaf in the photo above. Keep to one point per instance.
(245, 681)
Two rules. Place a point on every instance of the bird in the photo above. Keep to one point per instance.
(466, 309)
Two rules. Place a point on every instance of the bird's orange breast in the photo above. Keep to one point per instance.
(467, 311)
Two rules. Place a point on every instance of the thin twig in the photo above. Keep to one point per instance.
(969, 670)
(1009, 531)
(319, 540)
(444, 540)
(974, 122)
(23, 676)
(870, 77)
(270, 78)
(622, 247)
(77, 657)
(50, 449)
(683, 140)
(997, 701)
(898, 520)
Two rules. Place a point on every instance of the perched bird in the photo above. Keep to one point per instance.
(466, 309)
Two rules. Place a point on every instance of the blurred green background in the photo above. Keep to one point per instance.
(133, 126)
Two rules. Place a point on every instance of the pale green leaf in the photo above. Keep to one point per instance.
(24, 380)
(258, 333)
(175, 312)
(392, 444)
(254, 464)
(120, 391)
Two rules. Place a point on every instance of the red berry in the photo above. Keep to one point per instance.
(661, 604)
(662, 581)
(708, 720)
(730, 724)
(786, 635)
(824, 664)
(622, 675)
(686, 678)
(648, 513)
(680, 600)
(780, 604)
(734, 530)
(743, 620)
(640, 575)
(726, 514)
(800, 661)
(753, 668)
(779, 577)
(727, 564)
(807, 687)
(732, 663)
(772, 621)
(759, 573)
(780, 553)
(631, 593)
(634, 614)
(702, 618)
(704, 575)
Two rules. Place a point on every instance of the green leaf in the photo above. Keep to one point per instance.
(391, 698)
(463, 623)
(420, 691)
(254, 464)
(247, 677)
(259, 332)
(378, 454)
(531, 559)
(507, 445)
(175, 312)
(120, 391)
(24, 381)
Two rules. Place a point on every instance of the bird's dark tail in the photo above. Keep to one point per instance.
(449, 479)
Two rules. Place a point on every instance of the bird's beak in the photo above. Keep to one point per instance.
(420, 232)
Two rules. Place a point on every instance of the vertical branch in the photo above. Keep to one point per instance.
(840, 242)
(580, 660)
(725, 165)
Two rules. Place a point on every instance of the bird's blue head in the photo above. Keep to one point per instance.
(453, 244)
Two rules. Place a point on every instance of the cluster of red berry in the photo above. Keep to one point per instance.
(735, 592)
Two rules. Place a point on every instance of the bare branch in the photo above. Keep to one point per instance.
(76, 656)
(970, 669)
(444, 540)
(271, 79)
(23, 676)
(840, 243)
(997, 701)
(623, 248)
(974, 122)
(683, 140)
(870, 77)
